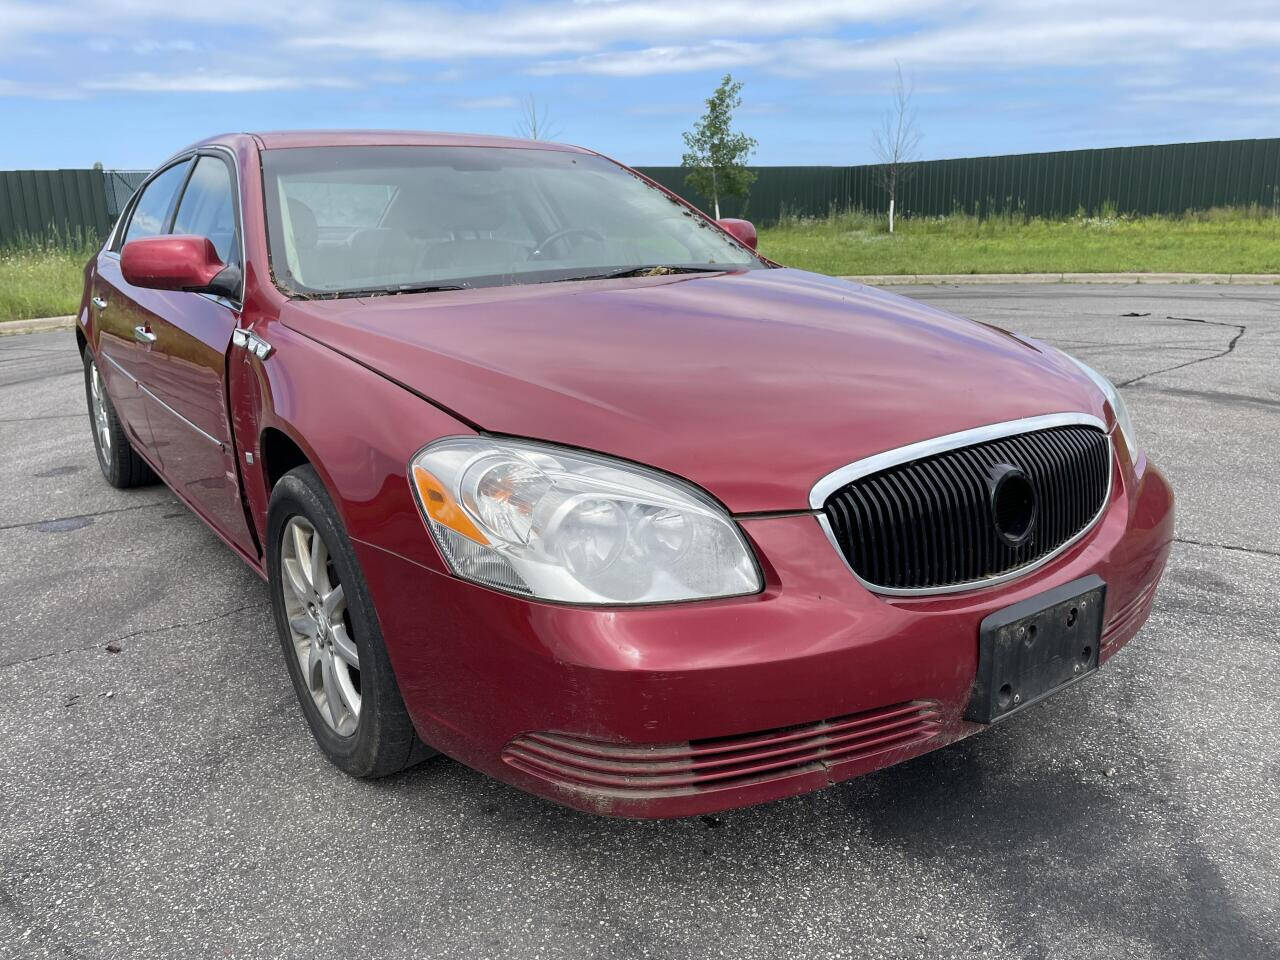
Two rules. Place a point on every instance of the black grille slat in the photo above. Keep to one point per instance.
(1045, 480)
(947, 529)
(927, 524)
(962, 559)
(1068, 483)
(973, 474)
(938, 527)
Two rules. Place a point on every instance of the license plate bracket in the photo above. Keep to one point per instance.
(1033, 649)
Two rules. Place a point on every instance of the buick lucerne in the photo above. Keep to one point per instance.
(551, 473)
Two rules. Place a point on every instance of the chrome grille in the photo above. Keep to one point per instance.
(928, 524)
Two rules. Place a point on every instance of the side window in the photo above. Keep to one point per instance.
(153, 206)
(207, 208)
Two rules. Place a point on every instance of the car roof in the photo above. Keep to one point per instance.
(279, 139)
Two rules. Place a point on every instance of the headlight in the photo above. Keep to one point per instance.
(561, 525)
(1117, 406)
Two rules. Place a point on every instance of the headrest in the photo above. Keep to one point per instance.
(306, 233)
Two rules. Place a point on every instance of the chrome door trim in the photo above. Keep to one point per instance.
(208, 436)
(112, 360)
(836, 479)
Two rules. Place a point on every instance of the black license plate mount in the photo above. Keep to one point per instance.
(1033, 649)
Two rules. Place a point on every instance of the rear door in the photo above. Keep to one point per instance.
(185, 378)
(123, 324)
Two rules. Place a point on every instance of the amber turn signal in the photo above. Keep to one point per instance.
(442, 508)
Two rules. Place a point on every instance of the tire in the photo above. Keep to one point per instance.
(120, 463)
(333, 648)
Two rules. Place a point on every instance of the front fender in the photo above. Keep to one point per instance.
(357, 429)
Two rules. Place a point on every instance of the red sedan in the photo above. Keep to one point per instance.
(551, 473)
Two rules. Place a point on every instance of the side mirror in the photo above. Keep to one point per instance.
(178, 263)
(743, 230)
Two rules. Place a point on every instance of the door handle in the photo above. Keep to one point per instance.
(143, 335)
(99, 303)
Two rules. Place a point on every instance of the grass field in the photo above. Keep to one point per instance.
(46, 282)
(41, 282)
(1216, 241)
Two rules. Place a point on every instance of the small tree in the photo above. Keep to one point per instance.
(716, 154)
(896, 144)
(535, 121)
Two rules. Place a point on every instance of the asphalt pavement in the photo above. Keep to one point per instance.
(161, 797)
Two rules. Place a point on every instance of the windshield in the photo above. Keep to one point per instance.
(349, 220)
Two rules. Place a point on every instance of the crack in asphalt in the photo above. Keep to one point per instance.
(1258, 551)
(1238, 327)
(50, 416)
(145, 631)
(83, 516)
(1212, 396)
(48, 376)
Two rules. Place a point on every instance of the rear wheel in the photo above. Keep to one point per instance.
(330, 635)
(120, 463)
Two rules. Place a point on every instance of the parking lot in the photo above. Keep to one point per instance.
(160, 795)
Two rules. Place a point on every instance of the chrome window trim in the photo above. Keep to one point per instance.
(236, 305)
(836, 479)
(186, 157)
(127, 213)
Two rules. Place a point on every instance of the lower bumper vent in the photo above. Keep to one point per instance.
(646, 770)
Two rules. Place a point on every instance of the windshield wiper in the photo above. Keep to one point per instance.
(388, 291)
(652, 270)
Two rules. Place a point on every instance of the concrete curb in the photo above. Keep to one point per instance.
(887, 280)
(10, 327)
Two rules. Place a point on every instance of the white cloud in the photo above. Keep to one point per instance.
(718, 55)
(201, 82)
(527, 30)
(151, 41)
(146, 48)
(1068, 39)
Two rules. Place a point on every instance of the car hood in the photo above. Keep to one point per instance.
(752, 384)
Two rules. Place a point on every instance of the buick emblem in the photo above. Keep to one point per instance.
(1014, 504)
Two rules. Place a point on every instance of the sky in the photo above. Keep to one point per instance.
(127, 83)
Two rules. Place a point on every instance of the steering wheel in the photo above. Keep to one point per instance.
(557, 235)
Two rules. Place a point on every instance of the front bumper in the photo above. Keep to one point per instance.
(690, 708)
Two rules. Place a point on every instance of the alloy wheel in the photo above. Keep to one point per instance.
(101, 423)
(316, 607)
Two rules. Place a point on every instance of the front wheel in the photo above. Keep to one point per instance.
(329, 632)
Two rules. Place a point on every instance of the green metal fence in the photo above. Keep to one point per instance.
(50, 205)
(57, 206)
(1171, 178)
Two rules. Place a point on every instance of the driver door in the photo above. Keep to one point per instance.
(186, 378)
